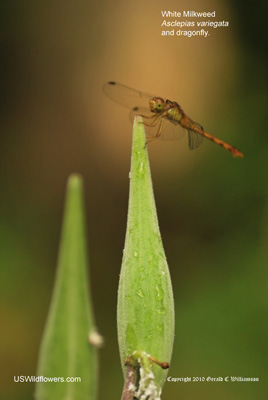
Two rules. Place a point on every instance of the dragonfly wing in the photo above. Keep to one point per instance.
(195, 140)
(171, 131)
(143, 111)
(126, 96)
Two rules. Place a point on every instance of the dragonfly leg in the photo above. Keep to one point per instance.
(151, 116)
(154, 121)
(152, 125)
(159, 131)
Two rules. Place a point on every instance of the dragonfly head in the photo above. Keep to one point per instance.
(157, 104)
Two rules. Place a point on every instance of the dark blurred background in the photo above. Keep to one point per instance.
(212, 209)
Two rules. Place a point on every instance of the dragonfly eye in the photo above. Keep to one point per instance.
(156, 104)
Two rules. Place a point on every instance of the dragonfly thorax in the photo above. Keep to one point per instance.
(157, 104)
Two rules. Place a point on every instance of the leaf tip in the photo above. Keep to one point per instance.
(75, 181)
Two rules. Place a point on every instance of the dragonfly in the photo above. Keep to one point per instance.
(162, 114)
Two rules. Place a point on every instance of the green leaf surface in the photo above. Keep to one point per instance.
(145, 313)
(65, 350)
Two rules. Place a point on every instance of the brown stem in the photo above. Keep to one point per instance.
(130, 385)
